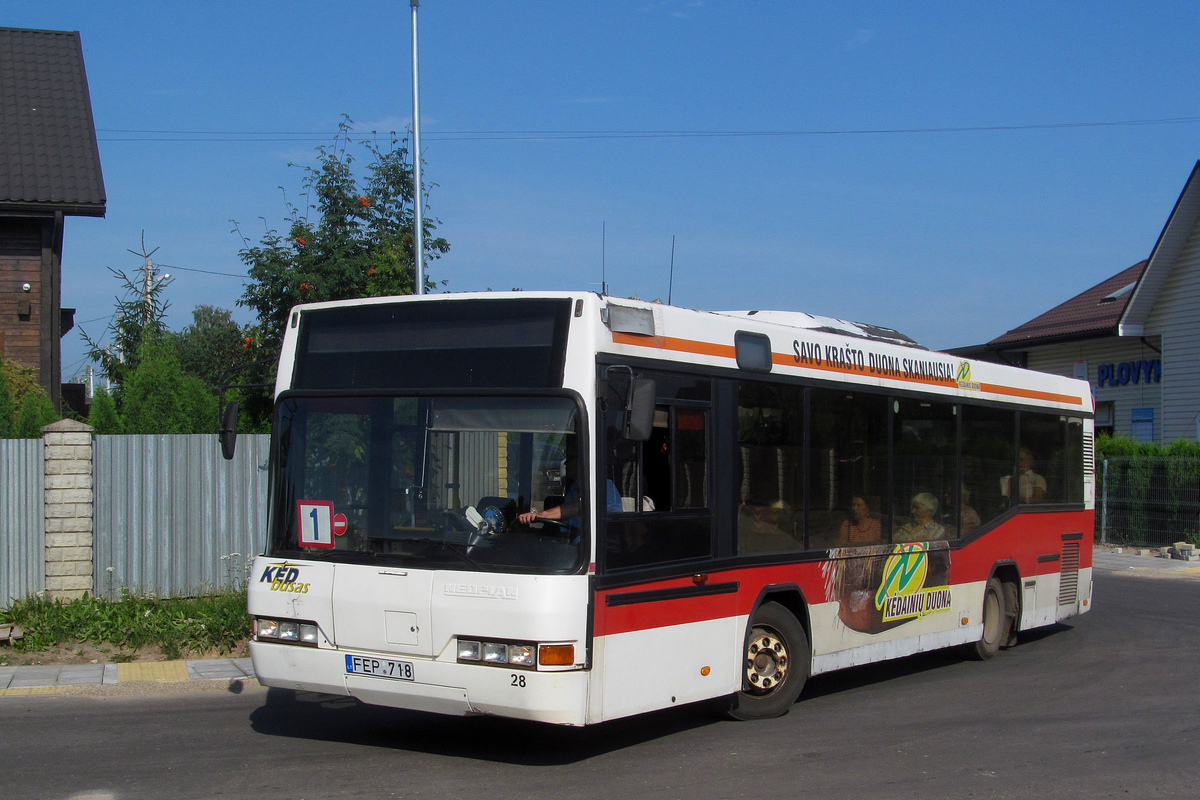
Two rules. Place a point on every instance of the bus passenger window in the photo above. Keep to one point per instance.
(770, 452)
(924, 502)
(848, 469)
(989, 442)
(1042, 460)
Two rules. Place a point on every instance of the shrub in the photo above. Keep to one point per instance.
(36, 411)
(176, 625)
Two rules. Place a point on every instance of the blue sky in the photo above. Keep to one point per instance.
(952, 237)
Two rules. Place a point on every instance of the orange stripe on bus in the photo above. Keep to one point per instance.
(1032, 394)
(678, 345)
(787, 360)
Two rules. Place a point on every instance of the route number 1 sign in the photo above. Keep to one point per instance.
(315, 523)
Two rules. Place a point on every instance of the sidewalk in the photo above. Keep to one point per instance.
(1108, 560)
(52, 678)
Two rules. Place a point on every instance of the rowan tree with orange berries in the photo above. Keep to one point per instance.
(351, 238)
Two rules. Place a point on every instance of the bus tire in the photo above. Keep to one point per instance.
(775, 667)
(995, 623)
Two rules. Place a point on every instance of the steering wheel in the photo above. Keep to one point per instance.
(560, 527)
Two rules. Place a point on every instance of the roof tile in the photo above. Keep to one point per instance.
(48, 152)
(1084, 314)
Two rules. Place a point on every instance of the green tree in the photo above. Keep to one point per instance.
(8, 409)
(21, 381)
(102, 416)
(158, 397)
(139, 313)
(353, 239)
(214, 345)
(36, 410)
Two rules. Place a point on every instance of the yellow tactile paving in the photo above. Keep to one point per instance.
(32, 690)
(158, 671)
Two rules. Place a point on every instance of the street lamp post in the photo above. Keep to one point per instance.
(419, 198)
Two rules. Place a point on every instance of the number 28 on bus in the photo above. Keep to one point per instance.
(571, 508)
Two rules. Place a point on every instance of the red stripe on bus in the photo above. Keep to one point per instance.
(1031, 534)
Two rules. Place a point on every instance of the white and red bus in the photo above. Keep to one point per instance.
(571, 508)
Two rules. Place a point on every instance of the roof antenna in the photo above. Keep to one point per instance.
(671, 280)
(603, 274)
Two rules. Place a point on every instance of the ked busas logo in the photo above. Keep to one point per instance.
(902, 592)
(283, 578)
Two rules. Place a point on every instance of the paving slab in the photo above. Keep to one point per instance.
(214, 669)
(77, 674)
(33, 677)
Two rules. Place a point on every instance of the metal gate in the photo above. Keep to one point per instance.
(172, 517)
(22, 519)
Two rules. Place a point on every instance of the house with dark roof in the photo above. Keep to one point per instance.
(49, 170)
(1135, 336)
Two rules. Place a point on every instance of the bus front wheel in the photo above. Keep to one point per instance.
(775, 666)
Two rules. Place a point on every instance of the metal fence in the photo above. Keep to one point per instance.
(1151, 501)
(22, 519)
(172, 517)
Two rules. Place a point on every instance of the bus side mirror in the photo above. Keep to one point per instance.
(639, 410)
(228, 432)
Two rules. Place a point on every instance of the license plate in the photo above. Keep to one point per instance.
(380, 667)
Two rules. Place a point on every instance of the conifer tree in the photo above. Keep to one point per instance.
(103, 415)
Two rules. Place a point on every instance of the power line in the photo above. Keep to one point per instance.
(533, 135)
(95, 319)
(205, 271)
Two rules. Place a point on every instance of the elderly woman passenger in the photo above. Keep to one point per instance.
(922, 528)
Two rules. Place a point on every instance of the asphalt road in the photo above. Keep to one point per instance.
(1105, 706)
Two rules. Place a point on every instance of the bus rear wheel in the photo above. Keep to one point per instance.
(775, 667)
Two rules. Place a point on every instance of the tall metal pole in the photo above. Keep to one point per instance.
(419, 197)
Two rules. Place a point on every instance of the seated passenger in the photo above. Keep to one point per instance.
(1032, 487)
(861, 528)
(922, 528)
(969, 516)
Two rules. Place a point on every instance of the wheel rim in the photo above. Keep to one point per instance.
(767, 661)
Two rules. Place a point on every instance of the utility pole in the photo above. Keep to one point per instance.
(147, 281)
(419, 197)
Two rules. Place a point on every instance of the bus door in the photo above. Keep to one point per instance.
(667, 632)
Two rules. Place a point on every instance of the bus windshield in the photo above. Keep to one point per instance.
(433, 482)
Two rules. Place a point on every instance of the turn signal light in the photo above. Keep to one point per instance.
(556, 655)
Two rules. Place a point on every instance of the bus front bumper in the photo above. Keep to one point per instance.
(440, 687)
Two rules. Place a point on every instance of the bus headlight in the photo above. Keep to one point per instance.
(495, 653)
(285, 631)
(523, 655)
